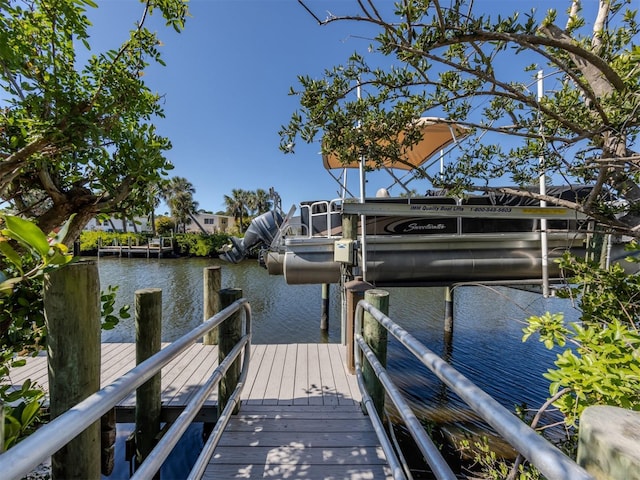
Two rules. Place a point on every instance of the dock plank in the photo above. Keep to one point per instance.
(257, 353)
(346, 396)
(314, 379)
(272, 390)
(199, 369)
(327, 383)
(256, 395)
(287, 384)
(301, 379)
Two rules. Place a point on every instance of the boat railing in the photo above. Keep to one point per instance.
(22, 458)
(548, 459)
(321, 217)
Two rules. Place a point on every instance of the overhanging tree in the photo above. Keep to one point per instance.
(458, 63)
(77, 138)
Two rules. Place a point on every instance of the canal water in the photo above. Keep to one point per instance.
(486, 345)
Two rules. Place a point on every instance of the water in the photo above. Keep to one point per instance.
(486, 344)
(281, 313)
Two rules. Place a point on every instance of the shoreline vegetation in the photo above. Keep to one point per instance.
(184, 244)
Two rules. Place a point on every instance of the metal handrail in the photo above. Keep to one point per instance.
(549, 460)
(22, 458)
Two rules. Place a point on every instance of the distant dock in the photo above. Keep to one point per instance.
(157, 247)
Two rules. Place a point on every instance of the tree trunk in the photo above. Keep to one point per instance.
(76, 226)
(197, 223)
(153, 223)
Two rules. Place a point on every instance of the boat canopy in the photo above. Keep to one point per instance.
(436, 135)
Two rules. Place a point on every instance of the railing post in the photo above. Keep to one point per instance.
(212, 285)
(148, 320)
(72, 313)
(229, 333)
(375, 335)
(355, 292)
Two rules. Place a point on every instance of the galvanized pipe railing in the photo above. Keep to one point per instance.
(22, 458)
(214, 438)
(549, 460)
(438, 465)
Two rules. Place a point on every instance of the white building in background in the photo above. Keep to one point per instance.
(142, 225)
(211, 222)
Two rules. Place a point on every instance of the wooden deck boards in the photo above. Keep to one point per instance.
(300, 416)
(298, 442)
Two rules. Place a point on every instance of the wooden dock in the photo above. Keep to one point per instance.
(299, 418)
(155, 248)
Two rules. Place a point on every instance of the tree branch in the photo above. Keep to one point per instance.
(534, 423)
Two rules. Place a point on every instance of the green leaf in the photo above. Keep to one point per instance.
(27, 233)
(59, 237)
(6, 287)
(11, 254)
(30, 413)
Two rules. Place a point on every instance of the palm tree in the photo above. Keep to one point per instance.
(178, 193)
(154, 194)
(236, 204)
(260, 202)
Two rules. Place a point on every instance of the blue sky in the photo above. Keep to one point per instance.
(226, 87)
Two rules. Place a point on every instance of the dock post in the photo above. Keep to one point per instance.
(229, 333)
(212, 283)
(324, 312)
(376, 337)
(355, 292)
(1, 427)
(148, 320)
(108, 436)
(349, 232)
(448, 309)
(72, 315)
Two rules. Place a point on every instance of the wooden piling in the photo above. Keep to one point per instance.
(448, 310)
(349, 232)
(355, 292)
(229, 333)
(212, 285)
(1, 427)
(375, 335)
(324, 312)
(108, 435)
(72, 315)
(148, 320)
(350, 226)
